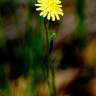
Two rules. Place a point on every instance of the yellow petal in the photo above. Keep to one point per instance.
(38, 9)
(38, 5)
(41, 14)
(60, 13)
(49, 16)
(44, 13)
(53, 16)
(57, 17)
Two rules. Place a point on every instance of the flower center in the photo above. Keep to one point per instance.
(51, 5)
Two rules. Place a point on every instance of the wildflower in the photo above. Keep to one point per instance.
(50, 9)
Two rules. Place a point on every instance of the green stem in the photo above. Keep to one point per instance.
(50, 65)
(47, 44)
(53, 80)
(47, 37)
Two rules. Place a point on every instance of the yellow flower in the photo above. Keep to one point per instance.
(50, 9)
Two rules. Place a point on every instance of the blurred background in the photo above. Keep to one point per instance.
(23, 55)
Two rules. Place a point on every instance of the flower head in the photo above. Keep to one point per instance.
(50, 9)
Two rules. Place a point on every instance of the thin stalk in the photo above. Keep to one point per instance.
(53, 80)
(47, 44)
(50, 65)
(47, 37)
